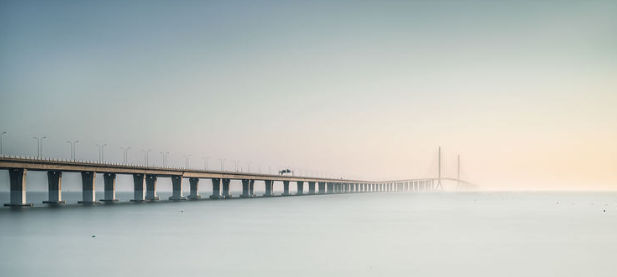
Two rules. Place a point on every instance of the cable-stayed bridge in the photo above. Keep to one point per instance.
(145, 181)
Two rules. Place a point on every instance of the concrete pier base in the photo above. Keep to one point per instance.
(216, 188)
(194, 183)
(322, 187)
(176, 184)
(286, 188)
(311, 186)
(151, 188)
(226, 193)
(269, 186)
(18, 188)
(246, 189)
(88, 180)
(110, 188)
(54, 181)
(138, 188)
(251, 188)
(300, 188)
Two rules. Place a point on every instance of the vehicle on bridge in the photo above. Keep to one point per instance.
(285, 171)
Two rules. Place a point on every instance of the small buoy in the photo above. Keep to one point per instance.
(181, 211)
(93, 236)
(604, 210)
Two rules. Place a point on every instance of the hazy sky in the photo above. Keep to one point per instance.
(525, 91)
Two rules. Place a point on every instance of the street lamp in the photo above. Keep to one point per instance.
(146, 156)
(236, 163)
(187, 159)
(72, 148)
(205, 162)
(248, 167)
(39, 149)
(222, 164)
(126, 153)
(164, 156)
(1, 134)
(101, 152)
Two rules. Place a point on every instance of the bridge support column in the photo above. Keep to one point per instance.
(251, 187)
(54, 181)
(110, 188)
(311, 186)
(246, 184)
(88, 180)
(300, 190)
(176, 186)
(194, 183)
(18, 187)
(216, 188)
(330, 187)
(138, 188)
(226, 193)
(269, 186)
(151, 188)
(322, 187)
(286, 188)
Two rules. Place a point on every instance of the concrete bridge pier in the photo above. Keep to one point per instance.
(246, 185)
(138, 188)
(322, 187)
(226, 193)
(110, 188)
(311, 186)
(18, 187)
(286, 188)
(194, 186)
(88, 179)
(54, 181)
(269, 185)
(330, 187)
(151, 188)
(216, 188)
(251, 188)
(300, 190)
(176, 186)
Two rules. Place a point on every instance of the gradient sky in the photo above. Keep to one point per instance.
(524, 91)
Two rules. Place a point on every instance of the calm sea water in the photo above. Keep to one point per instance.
(387, 234)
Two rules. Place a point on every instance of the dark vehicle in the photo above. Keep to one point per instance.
(282, 172)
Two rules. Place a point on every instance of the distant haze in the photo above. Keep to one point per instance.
(524, 91)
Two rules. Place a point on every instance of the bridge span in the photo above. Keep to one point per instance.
(145, 180)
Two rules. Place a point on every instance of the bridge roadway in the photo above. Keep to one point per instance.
(145, 179)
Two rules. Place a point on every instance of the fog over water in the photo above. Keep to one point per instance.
(385, 234)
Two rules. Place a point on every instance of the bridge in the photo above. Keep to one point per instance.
(145, 181)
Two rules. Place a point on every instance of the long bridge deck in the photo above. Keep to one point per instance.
(145, 179)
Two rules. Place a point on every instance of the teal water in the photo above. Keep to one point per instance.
(386, 234)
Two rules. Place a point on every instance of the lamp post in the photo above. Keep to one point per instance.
(101, 152)
(164, 155)
(205, 162)
(187, 158)
(248, 167)
(222, 164)
(146, 156)
(1, 135)
(126, 153)
(72, 148)
(39, 149)
(236, 163)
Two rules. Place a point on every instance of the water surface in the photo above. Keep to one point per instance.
(386, 234)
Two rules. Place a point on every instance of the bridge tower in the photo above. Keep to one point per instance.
(439, 185)
(458, 171)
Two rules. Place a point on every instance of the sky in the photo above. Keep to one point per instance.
(524, 91)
